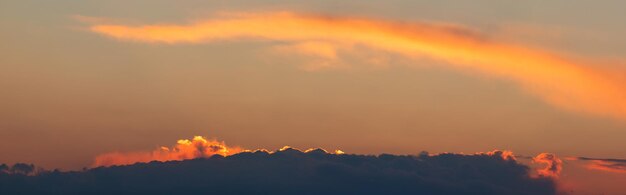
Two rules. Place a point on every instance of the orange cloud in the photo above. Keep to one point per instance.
(184, 149)
(561, 82)
(504, 154)
(602, 164)
(198, 147)
(607, 166)
(554, 165)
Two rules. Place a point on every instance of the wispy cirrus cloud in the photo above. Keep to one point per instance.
(604, 164)
(560, 81)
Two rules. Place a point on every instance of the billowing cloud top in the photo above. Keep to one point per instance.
(553, 164)
(197, 147)
(563, 82)
(290, 171)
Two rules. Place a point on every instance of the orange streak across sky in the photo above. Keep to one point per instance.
(605, 166)
(562, 82)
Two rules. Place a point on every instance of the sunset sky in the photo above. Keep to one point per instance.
(82, 79)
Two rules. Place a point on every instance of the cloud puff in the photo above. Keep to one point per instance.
(554, 165)
(563, 82)
(290, 171)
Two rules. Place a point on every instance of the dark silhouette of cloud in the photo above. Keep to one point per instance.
(4, 168)
(290, 171)
(18, 169)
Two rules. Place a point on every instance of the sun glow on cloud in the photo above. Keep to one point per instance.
(198, 147)
(562, 82)
(553, 165)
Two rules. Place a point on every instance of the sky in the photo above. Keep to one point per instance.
(85, 78)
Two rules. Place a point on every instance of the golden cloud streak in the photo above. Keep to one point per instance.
(558, 81)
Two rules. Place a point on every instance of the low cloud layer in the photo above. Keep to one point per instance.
(201, 147)
(568, 83)
(290, 171)
(18, 169)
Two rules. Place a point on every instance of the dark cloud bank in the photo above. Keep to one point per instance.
(293, 172)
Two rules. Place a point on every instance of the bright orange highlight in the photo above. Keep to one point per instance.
(184, 149)
(505, 154)
(198, 147)
(554, 165)
(558, 81)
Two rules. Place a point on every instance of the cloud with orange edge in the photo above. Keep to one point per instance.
(291, 171)
(553, 165)
(505, 154)
(198, 147)
(559, 81)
